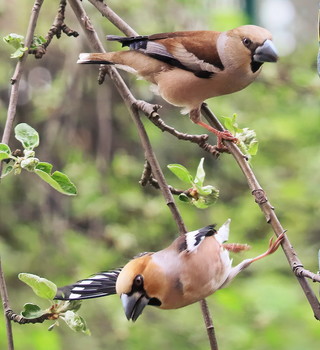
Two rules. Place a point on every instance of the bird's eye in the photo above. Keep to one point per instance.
(138, 281)
(246, 42)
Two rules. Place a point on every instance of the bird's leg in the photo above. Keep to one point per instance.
(221, 135)
(273, 246)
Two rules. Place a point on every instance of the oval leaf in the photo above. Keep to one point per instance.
(27, 136)
(200, 175)
(76, 322)
(58, 181)
(42, 287)
(31, 311)
(181, 172)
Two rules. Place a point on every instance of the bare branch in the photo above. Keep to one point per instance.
(6, 307)
(57, 27)
(131, 103)
(270, 215)
(15, 80)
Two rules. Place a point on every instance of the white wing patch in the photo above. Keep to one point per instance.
(223, 232)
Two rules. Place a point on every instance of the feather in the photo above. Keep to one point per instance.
(99, 285)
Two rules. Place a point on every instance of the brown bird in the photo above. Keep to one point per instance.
(189, 67)
(193, 267)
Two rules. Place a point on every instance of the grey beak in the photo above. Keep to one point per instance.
(133, 305)
(266, 52)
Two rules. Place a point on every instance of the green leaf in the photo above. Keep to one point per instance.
(181, 172)
(28, 136)
(5, 151)
(200, 175)
(184, 198)
(42, 287)
(57, 180)
(37, 41)
(6, 169)
(76, 322)
(32, 311)
(45, 167)
(14, 40)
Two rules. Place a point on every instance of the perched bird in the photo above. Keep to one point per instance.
(193, 267)
(189, 67)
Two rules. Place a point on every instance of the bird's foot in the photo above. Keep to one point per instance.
(221, 135)
(273, 246)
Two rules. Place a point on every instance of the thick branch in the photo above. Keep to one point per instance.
(131, 103)
(270, 215)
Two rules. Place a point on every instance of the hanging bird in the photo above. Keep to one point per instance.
(193, 267)
(189, 67)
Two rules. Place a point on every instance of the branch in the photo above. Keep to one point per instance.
(57, 27)
(131, 103)
(15, 80)
(151, 111)
(270, 215)
(6, 307)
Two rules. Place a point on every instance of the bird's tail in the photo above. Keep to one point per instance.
(99, 285)
(94, 58)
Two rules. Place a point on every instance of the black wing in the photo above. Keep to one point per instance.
(99, 285)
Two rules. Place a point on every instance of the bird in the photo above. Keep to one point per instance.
(191, 268)
(188, 67)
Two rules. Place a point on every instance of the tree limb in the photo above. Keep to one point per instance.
(131, 103)
(6, 307)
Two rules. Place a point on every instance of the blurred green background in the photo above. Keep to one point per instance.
(86, 132)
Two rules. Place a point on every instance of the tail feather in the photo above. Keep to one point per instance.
(93, 58)
(134, 42)
(96, 286)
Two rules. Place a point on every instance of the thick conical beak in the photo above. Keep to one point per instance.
(134, 304)
(266, 52)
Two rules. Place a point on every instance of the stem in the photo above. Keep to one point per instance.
(6, 307)
(15, 80)
(131, 103)
(270, 215)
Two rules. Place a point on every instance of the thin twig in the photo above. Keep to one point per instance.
(57, 27)
(15, 80)
(270, 215)
(6, 307)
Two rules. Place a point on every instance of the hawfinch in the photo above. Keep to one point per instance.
(189, 67)
(193, 267)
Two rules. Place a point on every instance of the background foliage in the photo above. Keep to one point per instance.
(86, 132)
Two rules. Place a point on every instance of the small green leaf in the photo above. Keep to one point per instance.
(253, 148)
(184, 198)
(37, 41)
(200, 175)
(29, 164)
(42, 287)
(5, 148)
(6, 169)
(5, 151)
(57, 180)
(32, 311)
(76, 322)
(14, 40)
(28, 136)
(181, 172)
(45, 167)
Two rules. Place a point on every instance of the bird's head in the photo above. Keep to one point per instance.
(254, 43)
(138, 285)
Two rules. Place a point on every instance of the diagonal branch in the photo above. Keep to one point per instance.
(270, 215)
(15, 80)
(131, 104)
